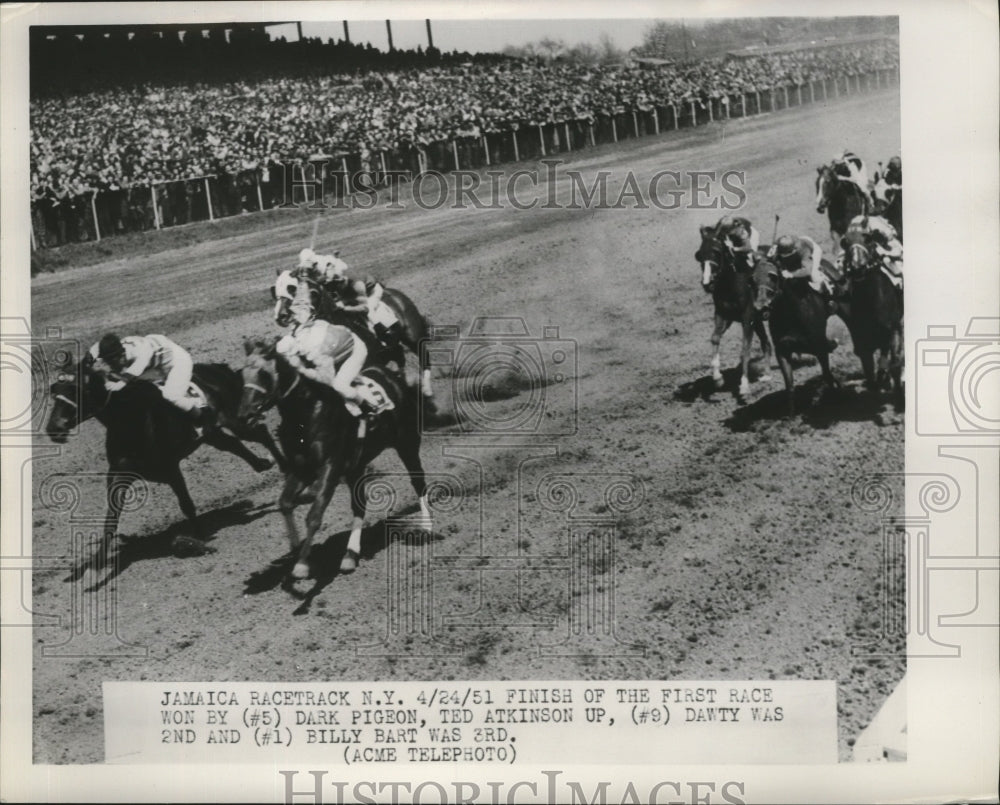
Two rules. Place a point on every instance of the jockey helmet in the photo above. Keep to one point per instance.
(110, 347)
(896, 162)
(785, 246)
(725, 223)
(307, 258)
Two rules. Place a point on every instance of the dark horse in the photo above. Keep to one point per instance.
(148, 436)
(326, 444)
(797, 314)
(732, 289)
(842, 201)
(414, 329)
(873, 312)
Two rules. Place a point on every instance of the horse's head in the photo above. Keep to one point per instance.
(824, 179)
(282, 294)
(260, 380)
(857, 258)
(710, 257)
(767, 281)
(74, 399)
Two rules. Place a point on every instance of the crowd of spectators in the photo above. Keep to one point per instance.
(118, 137)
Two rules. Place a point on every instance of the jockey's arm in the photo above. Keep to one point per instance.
(811, 253)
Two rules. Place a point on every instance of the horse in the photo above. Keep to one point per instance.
(326, 444)
(732, 292)
(872, 309)
(797, 314)
(888, 203)
(841, 200)
(147, 437)
(414, 328)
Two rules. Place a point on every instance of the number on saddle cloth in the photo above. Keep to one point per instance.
(375, 394)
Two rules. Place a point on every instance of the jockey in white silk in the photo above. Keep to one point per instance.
(855, 168)
(327, 353)
(150, 357)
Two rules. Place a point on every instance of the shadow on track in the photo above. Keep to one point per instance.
(818, 406)
(325, 560)
(132, 549)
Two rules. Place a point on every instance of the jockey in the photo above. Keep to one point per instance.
(327, 353)
(151, 357)
(307, 260)
(747, 238)
(882, 236)
(361, 294)
(848, 167)
(893, 176)
(799, 258)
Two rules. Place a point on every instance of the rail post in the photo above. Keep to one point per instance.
(656, 120)
(513, 137)
(486, 150)
(569, 141)
(836, 88)
(673, 108)
(385, 170)
(743, 104)
(260, 196)
(694, 114)
(756, 96)
(772, 98)
(93, 210)
(454, 151)
(784, 89)
(711, 110)
(812, 91)
(541, 138)
(590, 132)
(347, 178)
(635, 122)
(208, 198)
(798, 91)
(614, 128)
(156, 206)
(31, 229)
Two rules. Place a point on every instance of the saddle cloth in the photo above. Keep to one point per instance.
(896, 279)
(375, 392)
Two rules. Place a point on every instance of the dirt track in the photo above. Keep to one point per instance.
(745, 560)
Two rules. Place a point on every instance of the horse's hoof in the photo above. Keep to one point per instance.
(350, 561)
(189, 546)
(263, 465)
(300, 571)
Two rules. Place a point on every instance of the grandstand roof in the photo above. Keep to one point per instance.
(789, 47)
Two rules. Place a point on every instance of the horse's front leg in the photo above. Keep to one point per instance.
(194, 544)
(721, 325)
(287, 501)
(117, 488)
(785, 364)
(230, 444)
(358, 484)
(314, 519)
(744, 390)
(260, 434)
(765, 344)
